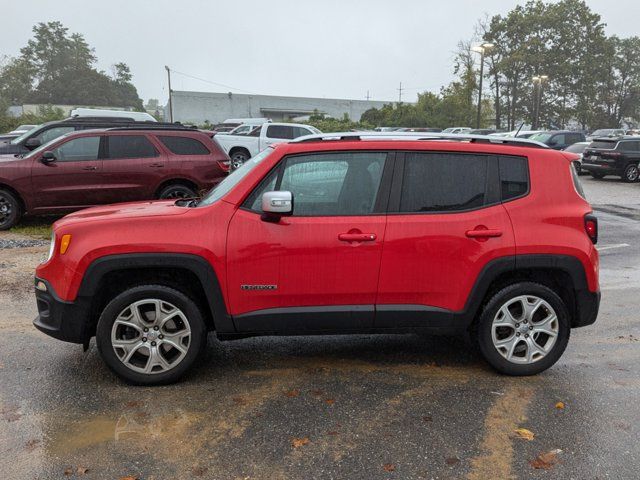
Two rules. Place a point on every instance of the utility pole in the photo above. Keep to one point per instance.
(170, 100)
(538, 83)
(481, 50)
(400, 93)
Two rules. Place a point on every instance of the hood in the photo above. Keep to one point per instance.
(8, 158)
(126, 211)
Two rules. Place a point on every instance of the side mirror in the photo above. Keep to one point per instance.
(276, 205)
(32, 143)
(48, 157)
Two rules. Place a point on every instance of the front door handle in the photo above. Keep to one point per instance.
(157, 165)
(483, 233)
(90, 168)
(357, 237)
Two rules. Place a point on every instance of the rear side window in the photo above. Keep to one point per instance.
(604, 144)
(629, 146)
(514, 177)
(130, 146)
(280, 131)
(184, 145)
(443, 182)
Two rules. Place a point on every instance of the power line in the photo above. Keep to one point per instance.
(212, 83)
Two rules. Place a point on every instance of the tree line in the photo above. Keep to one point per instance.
(588, 77)
(58, 67)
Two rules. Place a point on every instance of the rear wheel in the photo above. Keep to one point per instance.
(631, 173)
(176, 190)
(523, 329)
(597, 175)
(10, 210)
(151, 334)
(238, 157)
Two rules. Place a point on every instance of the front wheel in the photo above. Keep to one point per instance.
(151, 334)
(523, 329)
(176, 191)
(631, 173)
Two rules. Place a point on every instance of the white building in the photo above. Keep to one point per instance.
(197, 107)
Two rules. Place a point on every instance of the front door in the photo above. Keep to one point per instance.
(73, 180)
(317, 269)
(446, 222)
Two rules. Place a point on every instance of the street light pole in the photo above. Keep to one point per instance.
(481, 49)
(538, 82)
(170, 100)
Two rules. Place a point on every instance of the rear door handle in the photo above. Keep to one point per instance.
(357, 237)
(483, 233)
(157, 165)
(90, 168)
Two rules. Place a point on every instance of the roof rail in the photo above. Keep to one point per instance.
(155, 126)
(99, 119)
(423, 136)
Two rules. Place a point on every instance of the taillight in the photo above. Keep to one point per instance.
(591, 227)
(224, 165)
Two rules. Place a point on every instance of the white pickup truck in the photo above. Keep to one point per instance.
(242, 147)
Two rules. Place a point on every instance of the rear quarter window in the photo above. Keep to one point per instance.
(514, 177)
(184, 145)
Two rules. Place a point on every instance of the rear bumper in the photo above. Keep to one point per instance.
(587, 307)
(66, 321)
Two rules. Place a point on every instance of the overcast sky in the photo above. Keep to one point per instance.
(321, 48)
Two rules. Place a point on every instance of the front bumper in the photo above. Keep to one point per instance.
(66, 321)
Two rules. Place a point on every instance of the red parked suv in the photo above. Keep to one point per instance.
(333, 236)
(94, 167)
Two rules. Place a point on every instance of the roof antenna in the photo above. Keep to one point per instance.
(521, 125)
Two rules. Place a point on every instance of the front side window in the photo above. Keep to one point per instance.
(130, 146)
(443, 182)
(52, 134)
(327, 184)
(78, 149)
(184, 145)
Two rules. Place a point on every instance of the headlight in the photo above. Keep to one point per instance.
(53, 245)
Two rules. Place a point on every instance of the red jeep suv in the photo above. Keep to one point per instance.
(336, 235)
(94, 167)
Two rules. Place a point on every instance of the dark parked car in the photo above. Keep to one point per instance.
(95, 167)
(558, 139)
(613, 156)
(578, 149)
(51, 130)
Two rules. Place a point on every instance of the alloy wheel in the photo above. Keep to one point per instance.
(151, 336)
(525, 329)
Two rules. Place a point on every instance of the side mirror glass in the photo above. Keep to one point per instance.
(48, 157)
(32, 143)
(276, 205)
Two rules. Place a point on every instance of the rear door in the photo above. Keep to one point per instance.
(445, 223)
(132, 168)
(73, 179)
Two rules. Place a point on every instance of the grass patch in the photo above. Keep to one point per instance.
(36, 227)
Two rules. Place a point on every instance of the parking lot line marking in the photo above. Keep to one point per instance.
(611, 247)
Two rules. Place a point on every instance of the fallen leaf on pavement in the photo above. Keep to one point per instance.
(317, 393)
(239, 401)
(332, 432)
(330, 401)
(546, 460)
(388, 467)
(299, 442)
(427, 418)
(133, 404)
(524, 434)
(560, 405)
(452, 461)
(82, 470)
(68, 471)
(292, 393)
(130, 477)
(31, 445)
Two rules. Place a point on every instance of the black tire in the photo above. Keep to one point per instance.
(194, 349)
(631, 173)
(10, 209)
(578, 167)
(238, 157)
(597, 175)
(483, 330)
(176, 191)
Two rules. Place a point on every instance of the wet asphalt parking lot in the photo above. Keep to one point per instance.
(348, 407)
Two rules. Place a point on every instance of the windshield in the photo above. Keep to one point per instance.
(233, 179)
(44, 146)
(541, 137)
(602, 132)
(17, 140)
